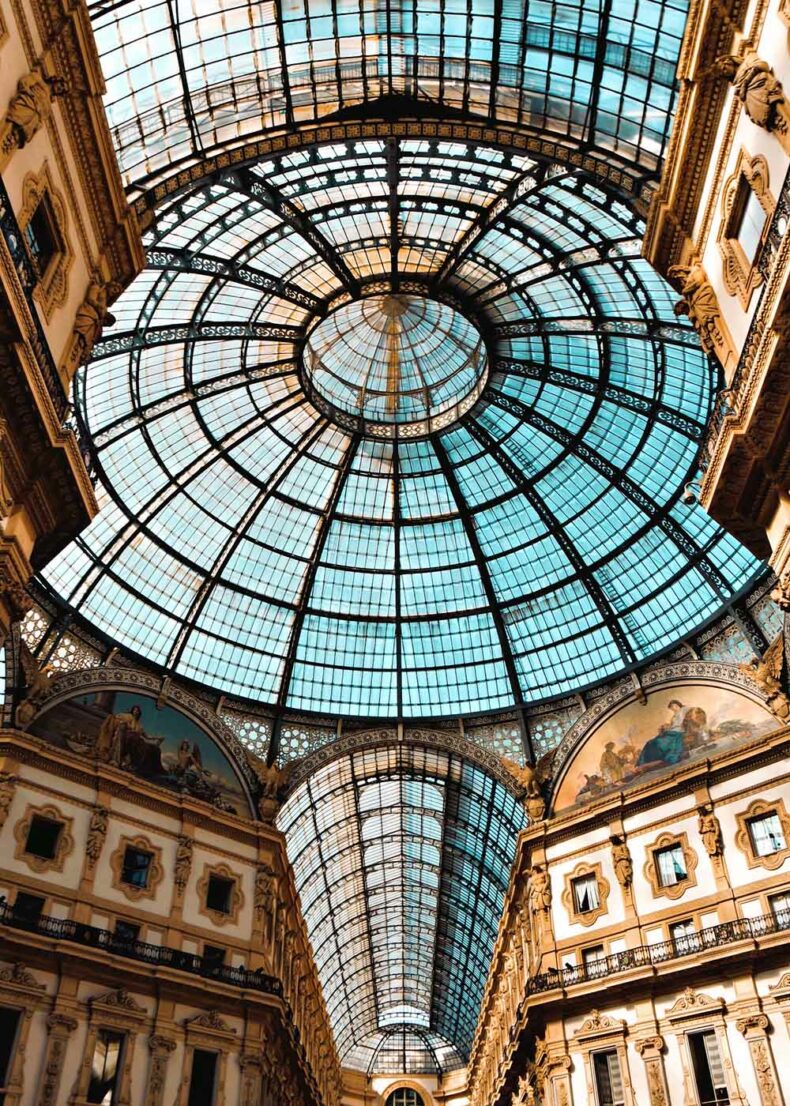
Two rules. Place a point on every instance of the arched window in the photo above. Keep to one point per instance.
(404, 1096)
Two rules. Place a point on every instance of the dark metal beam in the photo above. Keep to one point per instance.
(195, 332)
(482, 568)
(584, 324)
(393, 205)
(558, 532)
(190, 261)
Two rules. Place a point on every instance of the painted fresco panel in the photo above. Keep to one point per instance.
(676, 724)
(161, 744)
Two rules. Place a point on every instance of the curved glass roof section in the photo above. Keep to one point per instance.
(401, 857)
(396, 360)
(183, 81)
(249, 541)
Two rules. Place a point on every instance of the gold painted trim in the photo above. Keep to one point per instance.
(743, 838)
(675, 890)
(568, 898)
(218, 917)
(155, 871)
(63, 847)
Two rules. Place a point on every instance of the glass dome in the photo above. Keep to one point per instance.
(257, 539)
(395, 361)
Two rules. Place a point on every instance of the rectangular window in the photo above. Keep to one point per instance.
(126, 932)
(766, 834)
(684, 936)
(585, 894)
(43, 837)
(41, 236)
(106, 1068)
(708, 1069)
(136, 867)
(594, 960)
(214, 956)
(203, 1080)
(28, 908)
(9, 1027)
(780, 908)
(749, 222)
(670, 865)
(608, 1079)
(219, 894)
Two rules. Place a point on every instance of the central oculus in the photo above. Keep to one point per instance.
(395, 364)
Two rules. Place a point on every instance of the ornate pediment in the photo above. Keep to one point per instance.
(691, 1003)
(119, 999)
(599, 1024)
(210, 1020)
(20, 975)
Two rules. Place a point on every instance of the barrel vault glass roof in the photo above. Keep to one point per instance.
(254, 543)
(401, 857)
(185, 77)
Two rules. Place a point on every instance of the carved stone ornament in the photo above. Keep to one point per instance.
(600, 1023)
(19, 974)
(14, 595)
(539, 890)
(183, 863)
(210, 1020)
(120, 999)
(623, 864)
(586, 917)
(97, 832)
(265, 884)
(35, 684)
(28, 110)
(7, 790)
(699, 302)
(651, 870)
(766, 674)
(710, 831)
(742, 274)
(91, 318)
(693, 1002)
(759, 90)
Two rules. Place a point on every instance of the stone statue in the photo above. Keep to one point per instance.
(183, 864)
(532, 778)
(36, 686)
(710, 831)
(757, 88)
(273, 781)
(700, 304)
(766, 675)
(97, 831)
(92, 316)
(623, 865)
(7, 788)
(29, 109)
(539, 890)
(264, 889)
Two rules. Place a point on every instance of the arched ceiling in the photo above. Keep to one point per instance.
(401, 856)
(260, 541)
(184, 80)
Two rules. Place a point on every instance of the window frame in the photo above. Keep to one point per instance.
(569, 899)
(651, 869)
(64, 845)
(745, 842)
(750, 178)
(236, 898)
(131, 891)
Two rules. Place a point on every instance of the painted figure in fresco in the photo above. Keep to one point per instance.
(612, 764)
(123, 741)
(668, 745)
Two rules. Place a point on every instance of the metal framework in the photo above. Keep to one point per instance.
(401, 857)
(498, 561)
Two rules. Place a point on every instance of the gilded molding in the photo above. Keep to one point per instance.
(64, 844)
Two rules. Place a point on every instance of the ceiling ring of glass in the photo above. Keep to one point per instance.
(394, 365)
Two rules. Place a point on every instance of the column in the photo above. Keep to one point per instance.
(754, 1027)
(60, 1026)
(161, 1050)
(650, 1049)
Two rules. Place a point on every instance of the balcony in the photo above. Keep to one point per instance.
(648, 956)
(153, 956)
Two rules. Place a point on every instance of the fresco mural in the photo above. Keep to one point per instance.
(159, 743)
(681, 723)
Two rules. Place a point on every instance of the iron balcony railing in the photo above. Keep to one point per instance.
(155, 956)
(646, 956)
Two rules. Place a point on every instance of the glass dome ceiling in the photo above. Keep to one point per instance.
(251, 540)
(395, 361)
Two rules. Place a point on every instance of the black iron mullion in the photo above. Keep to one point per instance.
(468, 523)
(267, 195)
(618, 479)
(436, 991)
(584, 324)
(205, 264)
(597, 74)
(396, 525)
(558, 532)
(496, 46)
(357, 817)
(186, 99)
(278, 23)
(229, 547)
(324, 524)
(393, 205)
